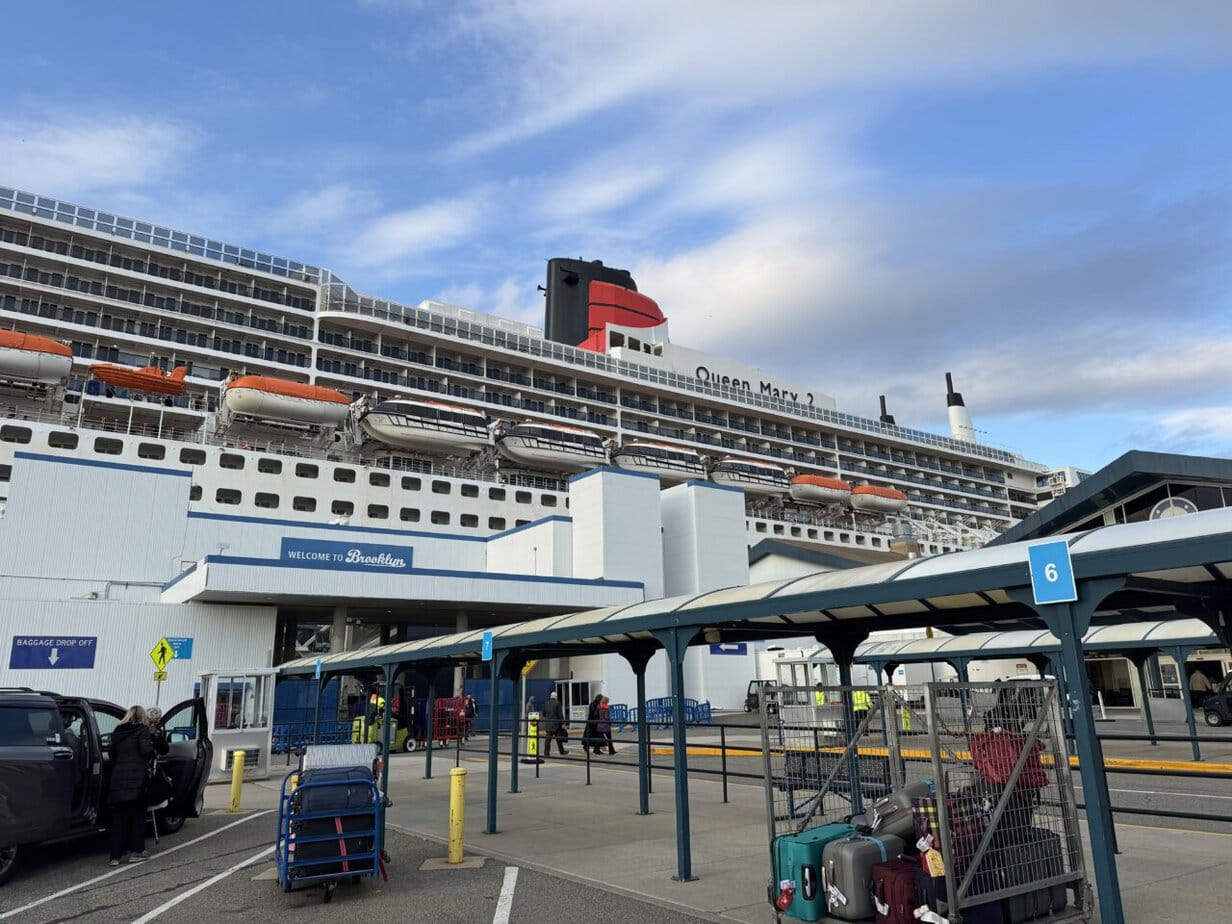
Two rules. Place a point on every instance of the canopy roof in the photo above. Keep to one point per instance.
(1159, 568)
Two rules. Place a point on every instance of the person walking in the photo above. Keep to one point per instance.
(470, 711)
(131, 750)
(553, 725)
(603, 726)
(590, 735)
(1199, 688)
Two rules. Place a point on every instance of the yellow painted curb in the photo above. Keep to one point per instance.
(1110, 763)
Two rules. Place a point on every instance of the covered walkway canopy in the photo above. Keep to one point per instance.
(1157, 570)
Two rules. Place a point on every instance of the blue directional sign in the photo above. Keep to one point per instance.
(1052, 572)
(53, 652)
(731, 648)
(487, 646)
(181, 646)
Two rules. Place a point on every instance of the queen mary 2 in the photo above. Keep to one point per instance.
(150, 335)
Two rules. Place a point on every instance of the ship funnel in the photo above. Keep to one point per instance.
(961, 425)
(567, 313)
(886, 416)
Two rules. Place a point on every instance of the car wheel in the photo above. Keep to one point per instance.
(10, 857)
(169, 824)
(409, 745)
(1214, 719)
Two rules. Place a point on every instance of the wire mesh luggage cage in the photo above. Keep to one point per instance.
(1002, 812)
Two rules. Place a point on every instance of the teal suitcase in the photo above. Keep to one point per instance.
(798, 857)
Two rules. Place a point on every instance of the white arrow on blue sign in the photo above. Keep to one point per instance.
(53, 652)
(1052, 572)
(487, 646)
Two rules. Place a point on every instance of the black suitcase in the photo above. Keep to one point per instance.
(1039, 856)
(335, 853)
(358, 794)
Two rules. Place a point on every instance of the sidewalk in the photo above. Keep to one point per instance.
(593, 834)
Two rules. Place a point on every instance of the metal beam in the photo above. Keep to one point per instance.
(675, 642)
(497, 662)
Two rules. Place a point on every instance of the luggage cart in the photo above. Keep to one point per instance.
(975, 772)
(329, 819)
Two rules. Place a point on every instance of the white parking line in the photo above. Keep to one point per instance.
(504, 904)
(126, 868)
(183, 896)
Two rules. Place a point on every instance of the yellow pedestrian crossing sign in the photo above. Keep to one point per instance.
(162, 654)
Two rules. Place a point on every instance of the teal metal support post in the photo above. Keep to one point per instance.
(430, 725)
(316, 716)
(1140, 658)
(391, 672)
(496, 664)
(675, 642)
(1069, 623)
(1181, 655)
(513, 668)
(638, 657)
(842, 645)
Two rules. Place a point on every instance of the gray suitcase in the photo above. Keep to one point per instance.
(847, 873)
(892, 814)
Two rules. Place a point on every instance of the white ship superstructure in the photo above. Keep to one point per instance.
(302, 400)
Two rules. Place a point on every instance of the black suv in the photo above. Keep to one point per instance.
(1218, 705)
(54, 768)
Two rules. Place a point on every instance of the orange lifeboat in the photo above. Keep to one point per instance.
(818, 489)
(150, 379)
(268, 398)
(877, 499)
(31, 358)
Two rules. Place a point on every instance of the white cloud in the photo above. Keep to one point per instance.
(399, 237)
(321, 211)
(572, 59)
(1202, 429)
(75, 155)
(515, 299)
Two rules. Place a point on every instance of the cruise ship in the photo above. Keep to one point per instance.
(291, 395)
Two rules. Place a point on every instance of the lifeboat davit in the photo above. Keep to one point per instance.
(31, 358)
(670, 463)
(429, 426)
(877, 499)
(551, 446)
(269, 398)
(150, 379)
(819, 489)
(752, 476)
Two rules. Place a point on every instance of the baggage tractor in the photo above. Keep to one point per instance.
(1039, 856)
(797, 857)
(847, 872)
(892, 814)
(896, 892)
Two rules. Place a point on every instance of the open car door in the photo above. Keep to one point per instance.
(189, 752)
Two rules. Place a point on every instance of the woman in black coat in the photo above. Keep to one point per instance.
(131, 750)
(590, 735)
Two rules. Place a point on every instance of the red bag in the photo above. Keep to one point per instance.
(894, 891)
(994, 754)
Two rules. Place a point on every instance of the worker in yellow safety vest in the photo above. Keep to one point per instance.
(861, 703)
(819, 697)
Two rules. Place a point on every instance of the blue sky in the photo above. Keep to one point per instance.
(855, 196)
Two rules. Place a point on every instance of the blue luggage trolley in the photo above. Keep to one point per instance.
(329, 819)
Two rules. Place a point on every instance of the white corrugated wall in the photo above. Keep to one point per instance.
(224, 636)
(96, 522)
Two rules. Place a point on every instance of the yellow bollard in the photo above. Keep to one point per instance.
(457, 812)
(237, 779)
